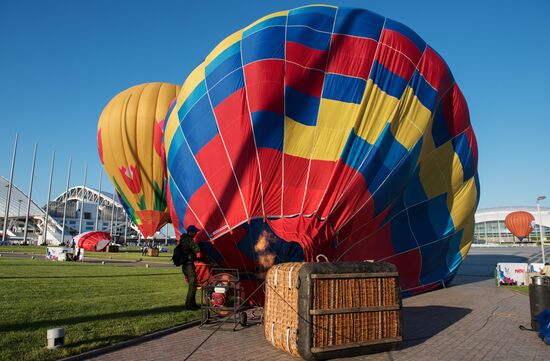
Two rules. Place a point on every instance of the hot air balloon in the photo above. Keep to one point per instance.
(329, 134)
(95, 241)
(130, 136)
(519, 223)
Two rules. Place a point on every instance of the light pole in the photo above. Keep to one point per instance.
(9, 185)
(541, 198)
(66, 200)
(49, 199)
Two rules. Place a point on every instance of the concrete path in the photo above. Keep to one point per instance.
(473, 320)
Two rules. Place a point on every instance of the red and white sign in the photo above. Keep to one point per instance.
(511, 273)
(59, 253)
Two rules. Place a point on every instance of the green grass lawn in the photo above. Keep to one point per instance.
(521, 289)
(41, 250)
(131, 256)
(125, 253)
(98, 305)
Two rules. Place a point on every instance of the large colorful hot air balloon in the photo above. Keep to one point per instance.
(130, 136)
(519, 223)
(325, 133)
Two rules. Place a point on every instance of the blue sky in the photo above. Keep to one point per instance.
(62, 60)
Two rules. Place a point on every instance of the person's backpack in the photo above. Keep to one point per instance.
(177, 256)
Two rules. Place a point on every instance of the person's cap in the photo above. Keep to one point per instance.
(192, 229)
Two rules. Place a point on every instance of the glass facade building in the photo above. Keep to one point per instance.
(490, 227)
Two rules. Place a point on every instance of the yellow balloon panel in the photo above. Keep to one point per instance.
(130, 144)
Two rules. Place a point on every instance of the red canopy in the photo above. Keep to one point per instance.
(93, 241)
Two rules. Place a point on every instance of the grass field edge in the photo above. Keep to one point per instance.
(134, 341)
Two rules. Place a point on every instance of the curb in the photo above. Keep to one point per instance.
(134, 341)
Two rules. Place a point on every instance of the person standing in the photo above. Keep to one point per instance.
(73, 245)
(185, 255)
(76, 253)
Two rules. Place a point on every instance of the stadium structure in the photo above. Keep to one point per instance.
(490, 227)
(86, 209)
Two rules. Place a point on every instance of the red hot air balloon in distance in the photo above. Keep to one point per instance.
(94, 241)
(519, 223)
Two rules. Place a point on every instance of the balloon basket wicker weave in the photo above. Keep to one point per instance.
(326, 310)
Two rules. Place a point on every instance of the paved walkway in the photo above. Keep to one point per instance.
(473, 320)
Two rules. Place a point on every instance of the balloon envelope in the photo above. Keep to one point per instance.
(95, 241)
(325, 133)
(130, 136)
(519, 223)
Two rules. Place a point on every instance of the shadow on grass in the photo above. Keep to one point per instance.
(89, 318)
(423, 322)
(90, 276)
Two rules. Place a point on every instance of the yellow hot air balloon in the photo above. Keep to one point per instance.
(130, 136)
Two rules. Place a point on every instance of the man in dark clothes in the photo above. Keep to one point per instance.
(189, 250)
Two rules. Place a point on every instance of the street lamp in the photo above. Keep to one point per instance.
(541, 198)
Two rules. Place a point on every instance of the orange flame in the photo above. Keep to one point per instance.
(266, 258)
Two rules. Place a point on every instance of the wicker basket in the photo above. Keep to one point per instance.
(326, 310)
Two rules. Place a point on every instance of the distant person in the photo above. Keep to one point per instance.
(144, 250)
(74, 246)
(78, 254)
(75, 254)
(185, 255)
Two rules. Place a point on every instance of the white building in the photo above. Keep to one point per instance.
(84, 207)
(490, 227)
(16, 217)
